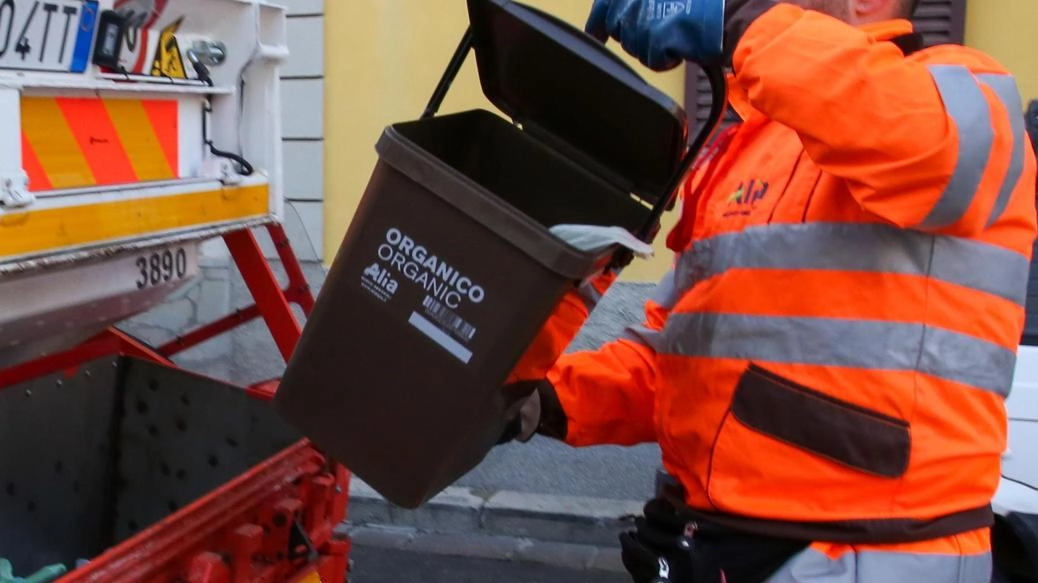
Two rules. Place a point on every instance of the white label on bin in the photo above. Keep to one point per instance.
(448, 320)
(440, 337)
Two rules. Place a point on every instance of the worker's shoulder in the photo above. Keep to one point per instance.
(973, 59)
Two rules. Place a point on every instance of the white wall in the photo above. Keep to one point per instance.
(302, 97)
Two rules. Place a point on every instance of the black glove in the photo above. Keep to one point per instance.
(738, 16)
(661, 37)
(538, 411)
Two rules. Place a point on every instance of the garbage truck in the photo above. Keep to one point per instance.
(134, 134)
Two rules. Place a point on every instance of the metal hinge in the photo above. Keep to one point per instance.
(209, 53)
(14, 191)
(220, 169)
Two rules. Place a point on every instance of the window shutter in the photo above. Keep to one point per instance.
(940, 22)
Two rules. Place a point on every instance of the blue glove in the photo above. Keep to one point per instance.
(662, 33)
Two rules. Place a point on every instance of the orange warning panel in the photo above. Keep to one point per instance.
(83, 142)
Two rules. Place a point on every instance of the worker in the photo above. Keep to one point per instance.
(825, 366)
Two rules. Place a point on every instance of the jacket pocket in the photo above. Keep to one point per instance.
(841, 432)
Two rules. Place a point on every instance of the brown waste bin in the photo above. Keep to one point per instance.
(448, 270)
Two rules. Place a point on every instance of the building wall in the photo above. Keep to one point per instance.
(1008, 31)
(384, 59)
(303, 118)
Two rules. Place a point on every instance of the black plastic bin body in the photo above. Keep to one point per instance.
(449, 270)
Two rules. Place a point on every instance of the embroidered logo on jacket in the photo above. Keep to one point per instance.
(745, 198)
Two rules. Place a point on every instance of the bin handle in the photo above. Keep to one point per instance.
(719, 101)
(453, 68)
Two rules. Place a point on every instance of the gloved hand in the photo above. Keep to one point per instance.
(663, 33)
(541, 413)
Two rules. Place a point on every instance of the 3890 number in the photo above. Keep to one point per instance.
(160, 267)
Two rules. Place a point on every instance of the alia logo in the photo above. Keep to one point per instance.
(380, 276)
(746, 197)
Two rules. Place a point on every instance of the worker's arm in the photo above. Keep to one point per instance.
(607, 396)
(935, 148)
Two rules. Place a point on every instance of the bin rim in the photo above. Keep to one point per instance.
(490, 210)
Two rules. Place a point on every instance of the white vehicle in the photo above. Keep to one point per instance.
(1015, 536)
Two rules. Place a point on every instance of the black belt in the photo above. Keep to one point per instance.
(861, 531)
(669, 546)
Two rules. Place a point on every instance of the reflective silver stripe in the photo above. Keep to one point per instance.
(967, 106)
(645, 336)
(812, 566)
(869, 344)
(666, 293)
(872, 248)
(1005, 87)
(982, 267)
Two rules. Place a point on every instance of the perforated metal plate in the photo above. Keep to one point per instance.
(182, 436)
(86, 461)
(56, 467)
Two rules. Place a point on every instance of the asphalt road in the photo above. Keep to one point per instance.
(375, 565)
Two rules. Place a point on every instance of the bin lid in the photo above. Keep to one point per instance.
(567, 89)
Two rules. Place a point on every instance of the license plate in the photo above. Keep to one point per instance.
(47, 35)
(159, 267)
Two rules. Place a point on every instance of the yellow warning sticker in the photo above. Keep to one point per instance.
(168, 61)
(311, 578)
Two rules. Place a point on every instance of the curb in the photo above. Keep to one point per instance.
(568, 556)
(513, 516)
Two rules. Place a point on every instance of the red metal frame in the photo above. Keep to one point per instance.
(209, 331)
(265, 289)
(296, 292)
(298, 289)
(240, 532)
(272, 302)
(109, 342)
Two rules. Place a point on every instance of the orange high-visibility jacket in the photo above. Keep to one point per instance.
(830, 355)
